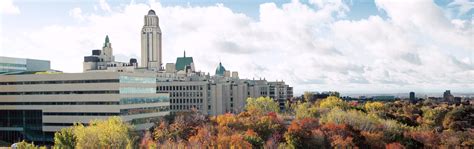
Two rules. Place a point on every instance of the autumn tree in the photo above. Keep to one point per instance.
(65, 138)
(343, 135)
(332, 102)
(109, 133)
(262, 104)
(302, 134)
(374, 106)
(306, 110)
(460, 118)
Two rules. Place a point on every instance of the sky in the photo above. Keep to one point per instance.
(351, 46)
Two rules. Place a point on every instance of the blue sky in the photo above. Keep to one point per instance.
(346, 45)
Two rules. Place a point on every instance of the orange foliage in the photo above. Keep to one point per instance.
(374, 138)
(428, 138)
(226, 119)
(394, 145)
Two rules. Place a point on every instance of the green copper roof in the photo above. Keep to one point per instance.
(220, 70)
(106, 40)
(182, 62)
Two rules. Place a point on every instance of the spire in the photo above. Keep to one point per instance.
(106, 40)
(184, 53)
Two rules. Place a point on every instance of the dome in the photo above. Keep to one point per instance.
(220, 70)
(151, 12)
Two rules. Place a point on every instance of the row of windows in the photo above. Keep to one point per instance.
(179, 88)
(129, 79)
(136, 90)
(186, 107)
(141, 100)
(60, 92)
(62, 124)
(186, 100)
(144, 110)
(185, 94)
(11, 70)
(12, 65)
(61, 103)
(60, 82)
(144, 120)
(79, 114)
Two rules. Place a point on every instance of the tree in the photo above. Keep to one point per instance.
(303, 134)
(460, 118)
(110, 133)
(252, 137)
(65, 138)
(25, 145)
(113, 132)
(308, 96)
(433, 117)
(262, 104)
(343, 135)
(306, 110)
(332, 102)
(373, 106)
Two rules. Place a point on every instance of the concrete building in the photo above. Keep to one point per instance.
(104, 60)
(15, 65)
(218, 94)
(280, 92)
(151, 42)
(33, 107)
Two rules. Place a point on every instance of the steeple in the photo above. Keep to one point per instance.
(220, 70)
(107, 50)
(107, 41)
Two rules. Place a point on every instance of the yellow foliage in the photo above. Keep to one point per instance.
(373, 106)
(332, 102)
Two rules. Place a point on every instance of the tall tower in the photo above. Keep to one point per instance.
(107, 50)
(151, 42)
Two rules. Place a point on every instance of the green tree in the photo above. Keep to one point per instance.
(262, 104)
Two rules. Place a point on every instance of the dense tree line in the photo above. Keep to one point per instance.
(327, 123)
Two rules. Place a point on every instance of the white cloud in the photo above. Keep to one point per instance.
(463, 5)
(312, 48)
(7, 7)
(76, 13)
(104, 5)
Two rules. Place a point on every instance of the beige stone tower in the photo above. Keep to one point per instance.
(151, 42)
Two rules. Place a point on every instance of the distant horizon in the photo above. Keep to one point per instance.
(354, 47)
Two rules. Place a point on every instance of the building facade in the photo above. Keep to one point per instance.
(151, 42)
(33, 107)
(14, 65)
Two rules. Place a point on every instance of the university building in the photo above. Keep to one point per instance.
(188, 88)
(33, 106)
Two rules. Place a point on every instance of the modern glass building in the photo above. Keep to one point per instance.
(33, 107)
(12, 65)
